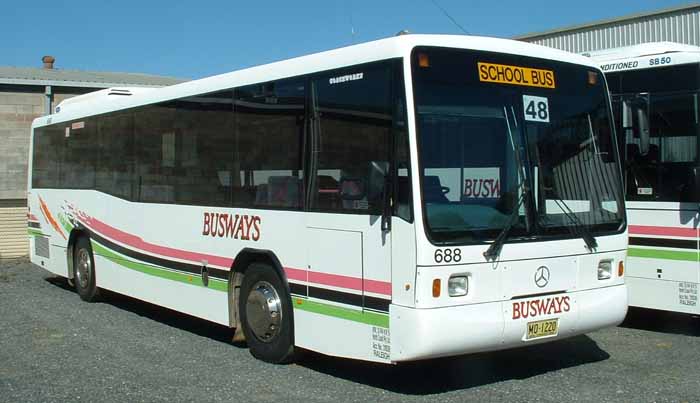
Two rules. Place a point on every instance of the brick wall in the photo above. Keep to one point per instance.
(19, 106)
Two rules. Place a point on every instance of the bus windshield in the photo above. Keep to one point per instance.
(512, 141)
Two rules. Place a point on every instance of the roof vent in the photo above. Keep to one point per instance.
(48, 62)
(403, 32)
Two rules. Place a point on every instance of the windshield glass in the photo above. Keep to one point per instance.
(494, 129)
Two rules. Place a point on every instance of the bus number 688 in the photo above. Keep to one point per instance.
(448, 255)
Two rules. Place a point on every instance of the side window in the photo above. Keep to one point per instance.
(154, 129)
(267, 168)
(674, 143)
(351, 123)
(80, 154)
(204, 146)
(115, 167)
(47, 155)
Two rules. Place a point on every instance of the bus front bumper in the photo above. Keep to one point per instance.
(438, 332)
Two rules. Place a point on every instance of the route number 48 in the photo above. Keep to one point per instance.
(536, 108)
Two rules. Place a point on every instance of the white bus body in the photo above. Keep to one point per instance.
(379, 276)
(655, 90)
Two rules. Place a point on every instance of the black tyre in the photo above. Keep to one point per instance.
(84, 270)
(266, 315)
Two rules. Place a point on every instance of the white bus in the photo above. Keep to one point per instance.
(412, 197)
(654, 89)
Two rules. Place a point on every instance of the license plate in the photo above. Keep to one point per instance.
(542, 328)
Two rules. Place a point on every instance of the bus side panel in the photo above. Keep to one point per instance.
(48, 237)
(663, 270)
(356, 335)
(206, 303)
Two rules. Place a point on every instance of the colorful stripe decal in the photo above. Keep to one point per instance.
(663, 231)
(333, 280)
(190, 273)
(216, 284)
(34, 232)
(366, 317)
(663, 254)
(138, 243)
(49, 217)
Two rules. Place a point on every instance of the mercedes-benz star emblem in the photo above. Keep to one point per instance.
(542, 276)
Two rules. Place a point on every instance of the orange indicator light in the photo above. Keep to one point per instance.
(620, 269)
(436, 288)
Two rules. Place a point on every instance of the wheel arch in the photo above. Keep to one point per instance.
(242, 261)
(73, 237)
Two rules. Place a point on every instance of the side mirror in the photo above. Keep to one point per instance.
(627, 122)
(643, 131)
(694, 192)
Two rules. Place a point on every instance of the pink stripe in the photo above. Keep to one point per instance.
(295, 274)
(668, 231)
(335, 280)
(139, 243)
(353, 283)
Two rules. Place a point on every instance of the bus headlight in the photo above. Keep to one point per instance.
(458, 286)
(604, 269)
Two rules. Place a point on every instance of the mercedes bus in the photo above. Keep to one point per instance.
(413, 197)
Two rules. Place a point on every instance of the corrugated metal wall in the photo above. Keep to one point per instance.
(14, 241)
(682, 26)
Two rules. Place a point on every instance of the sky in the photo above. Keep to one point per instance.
(194, 39)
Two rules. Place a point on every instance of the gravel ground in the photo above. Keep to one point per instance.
(53, 347)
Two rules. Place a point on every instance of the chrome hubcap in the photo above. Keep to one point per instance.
(82, 269)
(264, 311)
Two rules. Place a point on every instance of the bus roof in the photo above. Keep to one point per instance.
(644, 49)
(393, 47)
(645, 56)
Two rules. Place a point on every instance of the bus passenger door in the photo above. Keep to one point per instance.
(349, 255)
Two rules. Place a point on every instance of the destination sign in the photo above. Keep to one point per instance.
(516, 75)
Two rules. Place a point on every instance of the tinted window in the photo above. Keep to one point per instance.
(115, 167)
(80, 155)
(267, 164)
(204, 147)
(154, 129)
(47, 155)
(351, 122)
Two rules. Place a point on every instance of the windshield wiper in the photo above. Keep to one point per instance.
(495, 248)
(588, 238)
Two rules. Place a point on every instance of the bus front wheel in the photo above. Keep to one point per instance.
(84, 270)
(266, 314)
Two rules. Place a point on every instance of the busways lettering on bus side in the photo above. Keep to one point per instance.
(539, 307)
(236, 226)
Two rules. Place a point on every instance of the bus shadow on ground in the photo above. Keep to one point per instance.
(157, 313)
(662, 321)
(463, 372)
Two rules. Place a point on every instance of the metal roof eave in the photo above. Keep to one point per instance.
(604, 22)
(74, 84)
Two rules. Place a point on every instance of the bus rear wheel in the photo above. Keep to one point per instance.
(84, 270)
(266, 315)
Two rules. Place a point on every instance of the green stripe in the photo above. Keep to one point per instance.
(35, 232)
(369, 318)
(215, 284)
(663, 254)
(64, 222)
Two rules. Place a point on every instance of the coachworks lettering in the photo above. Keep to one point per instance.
(236, 226)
